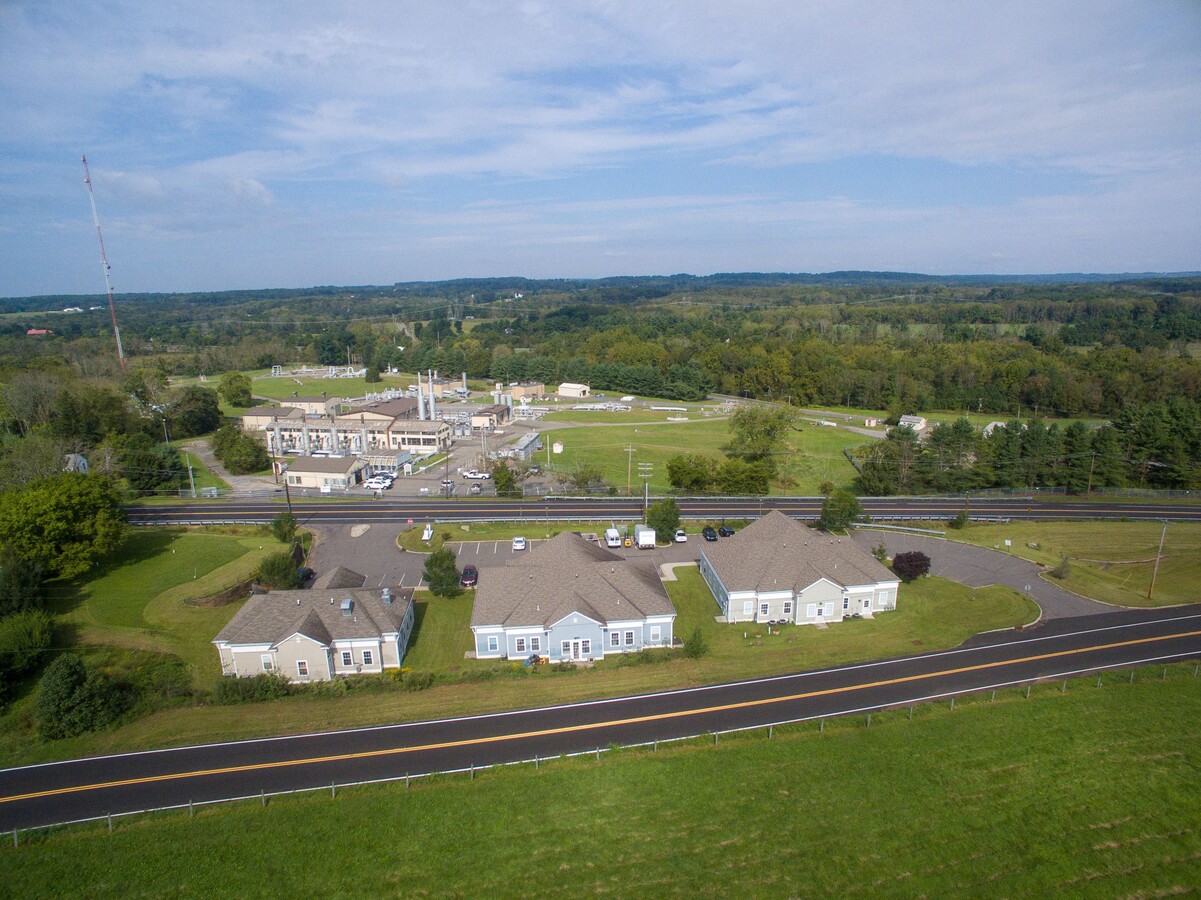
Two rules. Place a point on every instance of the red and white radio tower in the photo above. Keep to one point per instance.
(112, 307)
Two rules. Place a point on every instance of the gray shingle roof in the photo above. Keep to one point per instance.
(338, 578)
(569, 575)
(776, 552)
(270, 618)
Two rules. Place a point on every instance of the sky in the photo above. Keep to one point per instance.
(239, 145)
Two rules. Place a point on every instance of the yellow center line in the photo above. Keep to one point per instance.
(569, 729)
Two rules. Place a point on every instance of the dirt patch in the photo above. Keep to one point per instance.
(234, 594)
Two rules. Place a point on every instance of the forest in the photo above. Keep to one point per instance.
(1020, 350)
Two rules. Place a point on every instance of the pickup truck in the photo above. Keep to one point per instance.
(476, 475)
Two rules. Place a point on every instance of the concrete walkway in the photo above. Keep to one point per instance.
(979, 566)
(238, 484)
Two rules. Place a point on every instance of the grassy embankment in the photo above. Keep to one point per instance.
(1091, 792)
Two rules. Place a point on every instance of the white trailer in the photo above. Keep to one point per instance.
(644, 537)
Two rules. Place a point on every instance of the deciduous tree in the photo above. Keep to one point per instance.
(63, 524)
(442, 574)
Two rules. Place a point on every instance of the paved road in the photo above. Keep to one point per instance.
(80, 789)
(980, 566)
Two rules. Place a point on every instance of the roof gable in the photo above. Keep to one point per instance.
(776, 552)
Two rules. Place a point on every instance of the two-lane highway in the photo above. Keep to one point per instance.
(78, 789)
(420, 509)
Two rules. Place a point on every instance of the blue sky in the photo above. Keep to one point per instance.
(234, 146)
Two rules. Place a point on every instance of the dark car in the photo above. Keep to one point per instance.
(708, 533)
(470, 576)
(725, 531)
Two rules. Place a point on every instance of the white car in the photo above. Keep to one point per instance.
(518, 543)
(376, 484)
(681, 537)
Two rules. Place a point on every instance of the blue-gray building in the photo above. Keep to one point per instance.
(570, 599)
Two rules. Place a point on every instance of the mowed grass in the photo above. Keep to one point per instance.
(812, 455)
(441, 632)
(931, 613)
(1091, 792)
(1112, 562)
(139, 599)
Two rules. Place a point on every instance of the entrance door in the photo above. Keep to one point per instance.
(575, 649)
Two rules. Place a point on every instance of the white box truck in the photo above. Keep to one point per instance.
(644, 537)
(612, 537)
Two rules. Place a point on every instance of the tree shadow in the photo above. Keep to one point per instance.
(66, 594)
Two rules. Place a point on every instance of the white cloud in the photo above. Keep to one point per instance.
(204, 118)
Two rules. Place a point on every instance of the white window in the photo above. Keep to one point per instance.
(302, 668)
(867, 602)
(629, 639)
(520, 645)
(748, 607)
(656, 634)
(268, 662)
(788, 607)
(846, 603)
(884, 598)
(368, 658)
(347, 659)
(493, 643)
(586, 648)
(614, 638)
(811, 611)
(566, 649)
(535, 645)
(763, 608)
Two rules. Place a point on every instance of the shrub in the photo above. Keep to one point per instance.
(880, 552)
(911, 565)
(283, 527)
(278, 572)
(959, 520)
(695, 645)
(1061, 571)
(418, 681)
(267, 686)
(72, 700)
(24, 637)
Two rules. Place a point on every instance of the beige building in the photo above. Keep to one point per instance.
(574, 391)
(322, 405)
(318, 634)
(526, 390)
(327, 474)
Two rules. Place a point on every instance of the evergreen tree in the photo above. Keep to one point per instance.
(442, 574)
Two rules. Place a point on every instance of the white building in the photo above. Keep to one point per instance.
(777, 569)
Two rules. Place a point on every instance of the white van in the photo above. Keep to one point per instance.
(612, 537)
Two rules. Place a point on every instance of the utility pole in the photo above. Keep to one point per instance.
(1158, 555)
(1092, 462)
(112, 307)
(629, 464)
(192, 481)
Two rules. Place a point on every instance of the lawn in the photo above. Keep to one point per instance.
(139, 599)
(1091, 792)
(931, 613)
(1111, 562)
(813, 455)
(441, 633)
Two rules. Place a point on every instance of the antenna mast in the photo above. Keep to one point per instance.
(112, 307)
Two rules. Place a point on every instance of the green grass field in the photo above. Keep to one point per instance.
(812, 455)
(1087, 793)
(139, 600)
(1111, 562)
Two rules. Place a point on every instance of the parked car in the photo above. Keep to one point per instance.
(681, 536)
(518, 543)
(470, 576)
(708, 533)
(476, 489)
(476, 475)
(725, 531)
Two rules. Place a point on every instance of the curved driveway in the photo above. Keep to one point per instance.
(980, 566)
